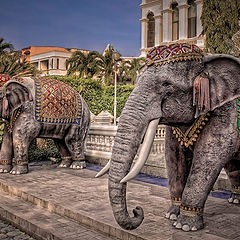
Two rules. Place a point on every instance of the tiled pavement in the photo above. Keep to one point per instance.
(67, 204)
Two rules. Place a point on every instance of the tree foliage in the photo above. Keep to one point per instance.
(103, 66)
(85, 65)
(220, 22)
(13, 64)
(107, 65)
(5, 46)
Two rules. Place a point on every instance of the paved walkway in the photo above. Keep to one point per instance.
(8, 232)
(61, 199)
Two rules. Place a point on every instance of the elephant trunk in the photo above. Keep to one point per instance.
(131, 127)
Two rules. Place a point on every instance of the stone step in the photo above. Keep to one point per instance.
(42, 224)
(78, 197)
(39, 198)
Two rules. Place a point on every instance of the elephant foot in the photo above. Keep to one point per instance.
(173, 212)
(5, 168)
(17, 170)
(190, 221)
(66, 162)
(78, 164)
(235, 198)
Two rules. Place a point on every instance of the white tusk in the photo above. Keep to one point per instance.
(104, 170)
(144, 151)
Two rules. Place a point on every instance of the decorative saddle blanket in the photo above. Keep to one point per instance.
(57, 102)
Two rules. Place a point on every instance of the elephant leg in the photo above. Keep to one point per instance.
(75, 142)
(64, 153)
(6, 153)
(211, 154)
(178, 162)
(20, 147)
(232, 169)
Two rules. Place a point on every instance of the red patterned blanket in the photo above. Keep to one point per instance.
(57, 102)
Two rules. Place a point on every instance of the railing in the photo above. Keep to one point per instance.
(101, 136)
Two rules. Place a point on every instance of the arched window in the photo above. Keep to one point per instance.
(192, 19)
(151, 30)
(175, 22)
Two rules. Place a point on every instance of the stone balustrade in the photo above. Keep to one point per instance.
(100, 142)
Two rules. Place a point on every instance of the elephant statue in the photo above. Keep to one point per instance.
(34, 107)
(195, 95)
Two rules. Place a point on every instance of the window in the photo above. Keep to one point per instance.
(151, 30)
(27, 53)
(175, 22)
(57, 63)
(192, 19)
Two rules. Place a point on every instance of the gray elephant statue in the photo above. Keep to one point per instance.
(195, 95)
(44, 108)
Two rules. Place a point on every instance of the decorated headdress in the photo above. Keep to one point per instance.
(3, 79)
(173, 53)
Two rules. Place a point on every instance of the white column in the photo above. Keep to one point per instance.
(144, 33)
(54, 63)
(167, 25)
(158, 29)
(49, 63)
(62, 63)
(199, 13)
(183, 21)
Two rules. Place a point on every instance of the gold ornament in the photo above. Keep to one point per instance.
(191, 135)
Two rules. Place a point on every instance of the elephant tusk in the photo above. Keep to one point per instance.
(104, 170)
(144, 152)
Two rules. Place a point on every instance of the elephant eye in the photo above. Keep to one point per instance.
(166, 84)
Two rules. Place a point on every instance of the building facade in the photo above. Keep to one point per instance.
(49, 60)
(170, 21)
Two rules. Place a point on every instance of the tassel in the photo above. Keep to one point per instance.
(5, 108)
(201, 95)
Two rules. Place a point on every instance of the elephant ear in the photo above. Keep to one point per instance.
(218, 84)
(15, 94)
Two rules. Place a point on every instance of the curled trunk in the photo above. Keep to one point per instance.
(130, 131)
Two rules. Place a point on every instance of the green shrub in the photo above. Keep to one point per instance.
(36, 153)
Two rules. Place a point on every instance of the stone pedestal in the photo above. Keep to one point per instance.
(103, 118)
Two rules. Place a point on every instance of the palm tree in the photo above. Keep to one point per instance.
(86, 65)
(136, 65)
(4, 46)
(107, 65)
(123, 71)
(13, 64)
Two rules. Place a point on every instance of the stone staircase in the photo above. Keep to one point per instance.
(64, 204)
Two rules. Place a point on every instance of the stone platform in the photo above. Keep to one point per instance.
(66, 204)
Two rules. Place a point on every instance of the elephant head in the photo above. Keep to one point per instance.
(13, 95)
(178, 84)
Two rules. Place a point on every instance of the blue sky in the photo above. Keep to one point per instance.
(84, 24)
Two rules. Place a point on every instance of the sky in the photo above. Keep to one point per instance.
(82, 24)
